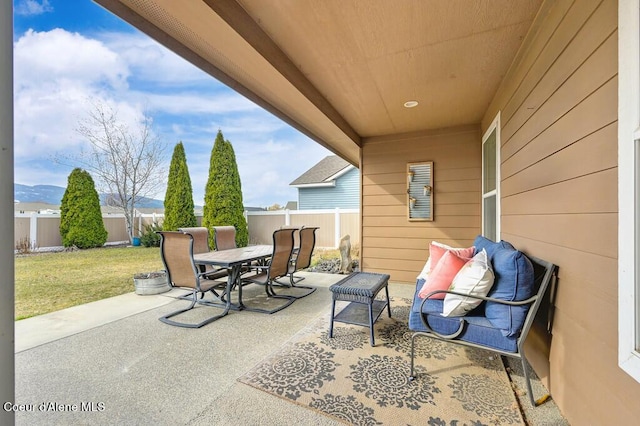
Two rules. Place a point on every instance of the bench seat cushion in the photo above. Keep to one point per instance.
(478, 329)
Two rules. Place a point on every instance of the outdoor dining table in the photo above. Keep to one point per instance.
(233, 260)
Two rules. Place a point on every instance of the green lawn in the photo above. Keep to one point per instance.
(48, 282)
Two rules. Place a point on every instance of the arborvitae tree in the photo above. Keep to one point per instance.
(81, 222)
(178, 201)
(223, 193)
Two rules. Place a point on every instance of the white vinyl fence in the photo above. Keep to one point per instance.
(40, 231)
(332, 224)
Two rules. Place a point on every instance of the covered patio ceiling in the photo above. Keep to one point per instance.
(340, 71)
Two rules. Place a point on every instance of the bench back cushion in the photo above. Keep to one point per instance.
(514, 280)
(490, 246)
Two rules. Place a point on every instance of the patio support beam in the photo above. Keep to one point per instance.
(238, 19)
(7, 360)
(140, 22)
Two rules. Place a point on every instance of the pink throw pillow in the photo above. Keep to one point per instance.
(442, 274)
(437, 250)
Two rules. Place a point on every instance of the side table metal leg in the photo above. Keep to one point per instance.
(333, 313)
(371, 322)
(386, 289)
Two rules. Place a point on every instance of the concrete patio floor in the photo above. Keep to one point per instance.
(115, 359)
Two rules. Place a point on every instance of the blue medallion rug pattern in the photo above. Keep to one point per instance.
(347, 379)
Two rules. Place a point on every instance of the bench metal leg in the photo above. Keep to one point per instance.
(527, 378)
(333, 313)
(371, 338)
(413, 343)
(386, 289)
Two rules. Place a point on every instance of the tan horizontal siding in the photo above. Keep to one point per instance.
(598, 110)
(586, 194)
(585, 379)
(590, 233)
(393, 244)
(585, 280)
(559, 198)
(594, 151)
(420, 233)
(555, 68)
(443, 222)
(403, 271)
(514, 88)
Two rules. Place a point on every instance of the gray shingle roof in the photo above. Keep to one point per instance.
(326, 168)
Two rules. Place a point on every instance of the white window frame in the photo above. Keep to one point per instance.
(628, 186)
(495, 125)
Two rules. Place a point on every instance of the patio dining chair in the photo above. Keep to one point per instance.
(276, 267)
(201, 245)
(301, 259)
(176, 251)
(224, 237)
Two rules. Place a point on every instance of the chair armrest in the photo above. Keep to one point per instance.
(486, 298)
(253, 269)
(426, 323)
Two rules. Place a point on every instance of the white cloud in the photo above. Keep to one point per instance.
(57, 71)
(153, 63)
(196, 103)
(32, 7)
(58, 55)
(55, 74)
(39, 173)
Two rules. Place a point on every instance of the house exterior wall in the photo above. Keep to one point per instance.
(344, 195)
(558, 113)
(390, 242)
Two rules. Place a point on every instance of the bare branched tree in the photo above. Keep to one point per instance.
(127, 165)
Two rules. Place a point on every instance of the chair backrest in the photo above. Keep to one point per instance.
(176, 250)
(282, 249)
(200, 238)
(224, 237)
(296, 235)
(307, 243)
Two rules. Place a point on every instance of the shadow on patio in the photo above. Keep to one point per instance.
(114, 357)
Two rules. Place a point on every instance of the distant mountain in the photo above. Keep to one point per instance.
(51, 194)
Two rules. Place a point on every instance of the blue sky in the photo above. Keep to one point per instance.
(66, 52)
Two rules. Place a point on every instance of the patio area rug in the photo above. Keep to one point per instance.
(347, 379)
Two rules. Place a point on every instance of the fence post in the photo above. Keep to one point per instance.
(33, 230)
(287, 218)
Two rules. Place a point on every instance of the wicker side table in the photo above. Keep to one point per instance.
(361, 289)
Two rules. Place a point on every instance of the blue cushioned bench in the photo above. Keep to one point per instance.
(502, 321)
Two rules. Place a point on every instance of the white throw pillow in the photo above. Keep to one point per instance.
(425, 270)
(475, 278)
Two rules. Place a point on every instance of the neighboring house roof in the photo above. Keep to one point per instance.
(291, 205)
(35, 207)
(323, 173)
(145, 210)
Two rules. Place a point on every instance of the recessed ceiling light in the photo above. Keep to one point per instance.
(410, 104)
